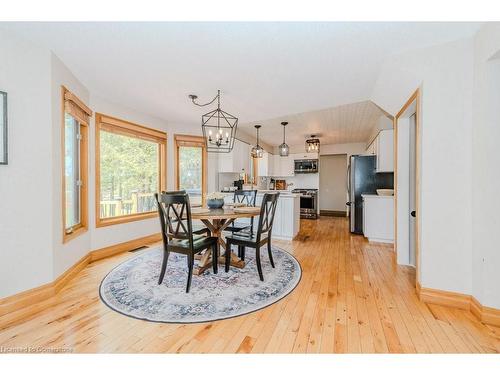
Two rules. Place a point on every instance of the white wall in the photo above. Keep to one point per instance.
(444, 73)
(26, 182)
(333, 182)
(31, 248)
(485, 170)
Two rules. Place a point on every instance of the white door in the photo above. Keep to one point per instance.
(412, 184)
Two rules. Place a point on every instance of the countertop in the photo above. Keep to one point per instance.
(283, 193)
(377, 196)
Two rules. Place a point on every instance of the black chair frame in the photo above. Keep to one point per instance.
(256, 240)
(177, 232)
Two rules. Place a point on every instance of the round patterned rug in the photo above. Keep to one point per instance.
(132, 287)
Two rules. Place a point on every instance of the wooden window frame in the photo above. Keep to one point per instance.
(130, 129)
(68, 99)
(191, 141)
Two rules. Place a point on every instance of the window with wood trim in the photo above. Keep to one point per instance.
(130, 169)
(191, 167)
(74, 151)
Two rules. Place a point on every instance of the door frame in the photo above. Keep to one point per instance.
(414, 98)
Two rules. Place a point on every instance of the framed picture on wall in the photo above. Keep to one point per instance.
(3, 128)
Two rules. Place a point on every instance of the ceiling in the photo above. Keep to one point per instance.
(264, 70)
(343, 124)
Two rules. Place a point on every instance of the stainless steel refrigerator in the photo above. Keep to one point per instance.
(362, 179)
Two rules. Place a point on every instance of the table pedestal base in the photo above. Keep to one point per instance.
(205, 260)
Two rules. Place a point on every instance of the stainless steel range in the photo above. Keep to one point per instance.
(308, 203)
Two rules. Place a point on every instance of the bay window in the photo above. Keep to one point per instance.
(130, 169)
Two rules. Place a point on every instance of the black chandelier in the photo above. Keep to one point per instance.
(284, 148)
(312, 144)
(257, 151)
(218, 126)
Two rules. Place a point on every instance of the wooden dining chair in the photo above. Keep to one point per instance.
(244, 239)
(197, 229)
(247, 197)
(177, 233)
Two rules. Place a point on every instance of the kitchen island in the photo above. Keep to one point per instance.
(287, 218)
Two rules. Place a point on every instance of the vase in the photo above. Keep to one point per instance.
(215, 203)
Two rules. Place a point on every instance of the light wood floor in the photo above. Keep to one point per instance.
(350, 299)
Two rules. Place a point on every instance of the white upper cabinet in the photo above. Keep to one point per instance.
(236, 161)
(263, 165)
(283, 166)
(305, 155)
(384, 149)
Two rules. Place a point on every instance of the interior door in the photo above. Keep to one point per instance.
(412, 184)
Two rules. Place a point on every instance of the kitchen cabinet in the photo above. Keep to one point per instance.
(305, 155)
(378, 218)
(383, 148)
(286, 223)
(370, 150)
(236, 161)
(263, 169)
(283, 166)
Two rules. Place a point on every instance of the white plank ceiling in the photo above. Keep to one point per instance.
(343, 124)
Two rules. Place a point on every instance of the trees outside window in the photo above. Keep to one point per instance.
(191, 167)
(130, 164)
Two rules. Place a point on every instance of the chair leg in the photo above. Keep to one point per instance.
(259, 266)
(163, 266)
(215, 258)
(242, 252)
(239, 251)
(270, 253)
(190, 259)
(228, 256)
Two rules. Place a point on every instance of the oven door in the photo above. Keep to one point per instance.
(307, 202)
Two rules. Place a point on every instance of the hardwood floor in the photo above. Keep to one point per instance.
(351, 299)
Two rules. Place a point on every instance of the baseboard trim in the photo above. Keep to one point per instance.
(109, 251)
(441, 297)
(21, 305)
(333, 213)
(485, 314)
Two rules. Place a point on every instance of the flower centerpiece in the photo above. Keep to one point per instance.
(215, 200)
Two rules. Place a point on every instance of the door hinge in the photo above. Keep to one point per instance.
(79, 183)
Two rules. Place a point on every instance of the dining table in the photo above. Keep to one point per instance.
(216, 220)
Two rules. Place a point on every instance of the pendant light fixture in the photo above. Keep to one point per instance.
(257, 151)
(312, 144)
(284, 149)
(218, 126)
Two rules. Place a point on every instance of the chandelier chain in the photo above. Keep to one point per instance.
(217, 97)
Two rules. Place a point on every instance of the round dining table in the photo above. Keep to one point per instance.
(216, 220)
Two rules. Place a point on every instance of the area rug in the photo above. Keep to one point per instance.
(132, 287)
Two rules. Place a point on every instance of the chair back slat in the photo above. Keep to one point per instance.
(175, 216)
(267, 211)
(245, 196)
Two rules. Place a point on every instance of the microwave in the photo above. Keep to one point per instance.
(306, 166)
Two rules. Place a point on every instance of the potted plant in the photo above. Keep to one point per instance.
(215, 200)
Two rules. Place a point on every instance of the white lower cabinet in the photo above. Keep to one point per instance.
(287, 217)
(378, 218)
